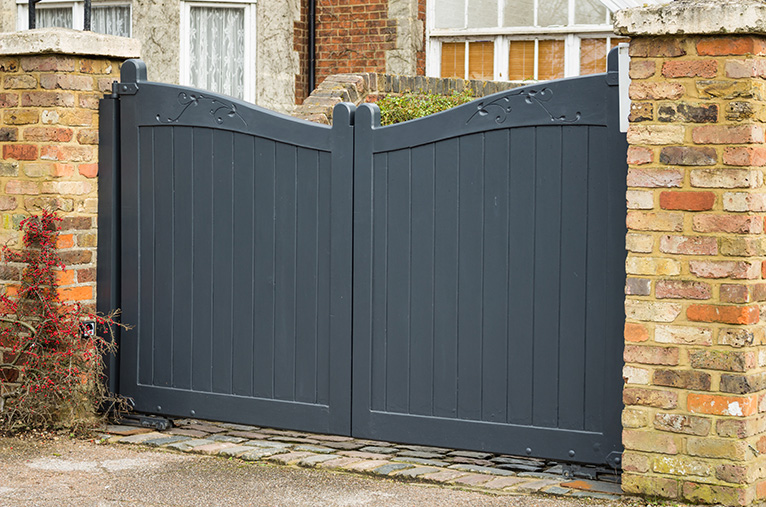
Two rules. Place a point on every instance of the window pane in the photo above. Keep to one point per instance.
(519, 13)
(482, 13)
(450, 14)
(550, 59)
(47, 18)
(453, 59)
(481, 60)
(217, 49)
(521, 61)
(552, 12)
(111, 20)
(592, 56)
(590, 12)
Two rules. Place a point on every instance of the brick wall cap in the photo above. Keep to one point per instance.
(701, 17)
(64, 41)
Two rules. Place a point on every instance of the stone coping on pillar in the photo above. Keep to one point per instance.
(698, 17)
(64, 41)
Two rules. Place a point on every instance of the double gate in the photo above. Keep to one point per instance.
(456, 280)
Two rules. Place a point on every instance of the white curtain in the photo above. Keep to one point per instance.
(217, 49)
(50, 17)
(111, 20)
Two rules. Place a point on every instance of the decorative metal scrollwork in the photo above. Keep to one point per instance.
(501, 107)
(220, 111)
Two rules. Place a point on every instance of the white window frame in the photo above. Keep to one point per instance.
(250, 76)
(571, 34)
(78, 11)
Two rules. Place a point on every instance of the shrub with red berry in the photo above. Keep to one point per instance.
(51, 373)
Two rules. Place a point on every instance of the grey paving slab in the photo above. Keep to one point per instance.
(379, 450)
(338, 462)
(267, 443)
(258, 454)
(481, 470)
(343, 445)
(416, 472)
(444, 475)
(227, 438)
(391, 467)
(141, 438)
(238, 427)
(314, 460)
(503, 482)
(420, 454)
(314, 448)
(158, 442)
(535, 486)
(420, 461)
(591, 494)
(289, 457)
(470, 454)
(186, 433)
(235, 451)
(425, 448)
(556, 490)
(189, 444)
(124, 430)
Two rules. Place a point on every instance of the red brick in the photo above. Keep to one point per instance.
(58, 170)
(67, 153)
(723, 314)
(643, 354)
(727, 134)
(635, 332)
(47, 99)
(65, 82)
(642, 69)
(738, 270)
(653, 178)
(9, 100)
(20, 151)
(723, 46)
(638, 155)
(687, 201)
(656, 91)
(649, 397)
(49, 134)
(688, 155)
(745, 156)
(736, 224)
(88, 170)
(734, 293)
(82, 293)
(22, 187)
(714, 404)
(690, 68)
(65, 241)
(48, 63)
(682, 289)
(656, 46)
(689, 245)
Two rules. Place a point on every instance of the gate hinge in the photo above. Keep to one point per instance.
(614, 459)
(124, 88)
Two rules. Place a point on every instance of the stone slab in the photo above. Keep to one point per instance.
(535, 486)
(314, 460)
(289, 457)
(364, 455)
(186, 433)
(594, 486)
(207, 428)
(141, 438)
(213, 448)
(64, 41)
(249, 435)
(126, 431)
(470, 454)
(416, 472)
(391, 467)
(259, 453)
(227, 438)
(420, 454)
(556, 490)
(379, 450)
(421, 461)
(267, 443)
(473, 479)
(481, 469)
(365, 465)
(158, 442)
(444, 475)
(314, 448)
(189, 444)
(235, 451)
(502, 482)
(338, 462)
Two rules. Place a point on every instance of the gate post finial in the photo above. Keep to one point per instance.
(696, 263)
(133, 71)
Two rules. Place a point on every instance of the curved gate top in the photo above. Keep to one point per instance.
(455, 280)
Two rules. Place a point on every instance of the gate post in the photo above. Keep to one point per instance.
(694, 424)
(51, 81)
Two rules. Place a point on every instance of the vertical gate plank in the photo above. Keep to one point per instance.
(574, 213)
(397, 328)
(495, 277)
(146, 256)
(445, 279)
(422, 294)
(307, 257)
(379, 281)
(285, 258)
(243, 203)
(264, 274)
(183, 254)
(223, 258)
(163, 256)
(547, 272)
(596, 317)
(470, 266)
(522, 160)
(324, 206)
(202, 317)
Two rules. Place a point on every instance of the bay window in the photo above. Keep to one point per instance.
(517, 40)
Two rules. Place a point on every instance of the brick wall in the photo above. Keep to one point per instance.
(352, 36)
(694, 418)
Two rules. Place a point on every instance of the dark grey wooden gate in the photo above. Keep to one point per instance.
(487, 266)
(235, 258)
(488, 274)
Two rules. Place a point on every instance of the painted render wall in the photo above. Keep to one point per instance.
(156, 25)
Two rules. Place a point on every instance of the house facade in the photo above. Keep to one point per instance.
(274, 52)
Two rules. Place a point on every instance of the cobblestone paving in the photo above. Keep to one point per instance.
(477, 470)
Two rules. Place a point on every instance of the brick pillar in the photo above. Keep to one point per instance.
(50, 84)
(694, 425)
